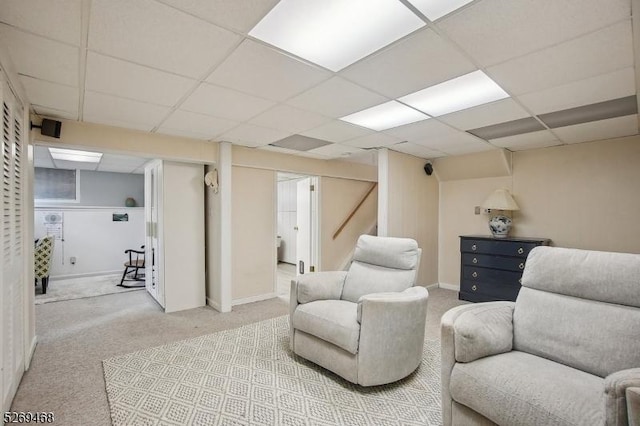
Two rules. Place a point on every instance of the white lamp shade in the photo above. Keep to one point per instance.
(500, 199)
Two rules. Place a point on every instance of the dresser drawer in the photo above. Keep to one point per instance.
(504, 248)
(485, 291)
(491, 276)
(498, 262)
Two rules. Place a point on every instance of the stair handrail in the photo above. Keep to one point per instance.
(355, 210)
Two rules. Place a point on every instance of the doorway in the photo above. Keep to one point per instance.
(297, 239)
(88, 209)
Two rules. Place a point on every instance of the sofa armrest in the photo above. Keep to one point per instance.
(448, 342)
(319, 286)
(392, 327)
(314, 286)
(615, 389)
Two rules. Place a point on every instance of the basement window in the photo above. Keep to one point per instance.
(59, 185)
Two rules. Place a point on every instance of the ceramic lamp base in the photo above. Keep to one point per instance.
(500, 226)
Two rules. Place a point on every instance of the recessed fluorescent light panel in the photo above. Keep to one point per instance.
(460, 93)
(335, 33)
(435, 9)
(74, 155)
(385, 116)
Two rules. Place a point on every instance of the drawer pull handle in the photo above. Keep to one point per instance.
(474, 287)
(475, 260)
(474, 247)
(474, 275)
(521, 266)
(520, 250)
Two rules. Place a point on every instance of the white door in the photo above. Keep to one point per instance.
(11, 247)
(152, 253)
(306, 226)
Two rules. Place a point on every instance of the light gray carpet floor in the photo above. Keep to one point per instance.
(75, 336)
(79, 288)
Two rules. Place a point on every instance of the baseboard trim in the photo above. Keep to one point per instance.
(215, 305)
(32, 350)
(434, 285)
(88, 274)
(252, 299)
(449, 286)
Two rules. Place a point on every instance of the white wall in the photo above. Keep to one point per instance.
(93, 238)
(287, 219)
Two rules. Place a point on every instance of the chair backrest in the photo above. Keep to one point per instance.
(580, 308)
(381, 264)
(43, 253)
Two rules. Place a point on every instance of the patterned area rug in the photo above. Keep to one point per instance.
(79, 288)
(248, 376)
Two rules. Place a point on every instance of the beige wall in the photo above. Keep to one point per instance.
(253, 232)
(338, 197)
(583, 196)
(132, 142)
(412, 199)
(262, 159)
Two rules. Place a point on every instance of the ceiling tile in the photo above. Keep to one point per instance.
(128, 80)
(110, 109)
(41, 58)
(337, 131)
(419, 61)
(335, 150)
(108, 121)
(485, 115)
(292, 152)
(540, 139)
(191, 122)
(54, 113)
(422, 130)
(509, 128)
(597, 53)
(116, 168)
(375, 140)
(43, 162)
(494, 31)
(238, 15)
(225, 103)
(253, 136)
(417, 150)
(453, 143)
(156, 35)
(111, 159)
(259, 70)
(74, 165)
(300, 143)
(468, 149)
(599, 130)
(617, 84)
(51, 95)
(59, 20)
(290, 119)
(336, 98)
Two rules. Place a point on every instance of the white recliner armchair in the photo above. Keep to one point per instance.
(567, 352)
(367, 324)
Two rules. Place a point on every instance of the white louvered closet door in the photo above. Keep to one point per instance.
(12, 279)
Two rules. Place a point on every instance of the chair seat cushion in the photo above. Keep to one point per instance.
(517, 388)
(135, 263)
(334, 321)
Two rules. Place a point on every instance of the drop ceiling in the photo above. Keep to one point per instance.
(192, 69)
(108, 162)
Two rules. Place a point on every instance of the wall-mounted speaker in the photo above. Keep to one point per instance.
(428, 169)
(50, 128)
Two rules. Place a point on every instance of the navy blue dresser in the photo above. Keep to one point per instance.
(491, 268)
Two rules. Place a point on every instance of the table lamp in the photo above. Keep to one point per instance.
(502, 200)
